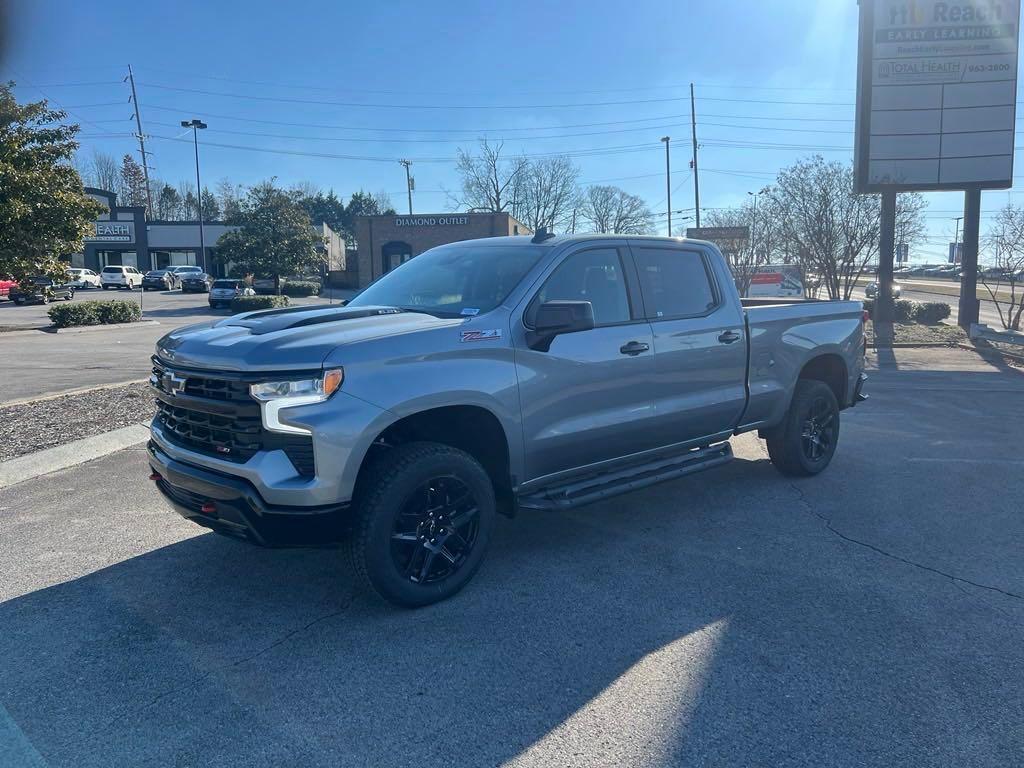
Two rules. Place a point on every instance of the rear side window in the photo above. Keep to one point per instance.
(674, 283)
(594, 276)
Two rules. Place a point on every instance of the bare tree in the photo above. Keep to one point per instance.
(487, 179)
(549, 192)
(383, 202)
(613, 210)
(911, 226)
(1006, 238)
(834, 230)
(103, 172)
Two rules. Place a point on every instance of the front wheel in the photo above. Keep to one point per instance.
(69, 296)
(424, 513)
(804, 443)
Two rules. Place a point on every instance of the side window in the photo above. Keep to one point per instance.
(674, 283)
(594, 276)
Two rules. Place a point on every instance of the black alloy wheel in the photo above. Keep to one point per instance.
(819, 430)
(435, 530)
(804, 443)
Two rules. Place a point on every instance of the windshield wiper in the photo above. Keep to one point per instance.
(433, 313)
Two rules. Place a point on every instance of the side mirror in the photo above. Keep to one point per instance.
(554, 318)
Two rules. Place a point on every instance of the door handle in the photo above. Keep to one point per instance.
(634, 348)
(728, 337)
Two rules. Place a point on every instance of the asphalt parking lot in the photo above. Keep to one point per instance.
(37, 363)
(871, 616)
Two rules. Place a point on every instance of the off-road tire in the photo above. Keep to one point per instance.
(385, 487)
(787, 442)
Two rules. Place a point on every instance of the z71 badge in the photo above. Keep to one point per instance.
(492, 335)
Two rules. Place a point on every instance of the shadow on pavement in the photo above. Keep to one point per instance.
(711, 620)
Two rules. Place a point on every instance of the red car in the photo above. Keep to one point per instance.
(6, 286)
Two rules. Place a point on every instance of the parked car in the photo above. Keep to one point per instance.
(223, 291)
(120, 276)
(159, 280)
(181, 270)
(42, 290)
(483, 376)
(195, 282)
(871, 290)
(6, 284)
(83, 278)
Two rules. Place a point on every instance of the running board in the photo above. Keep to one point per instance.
(612, 483)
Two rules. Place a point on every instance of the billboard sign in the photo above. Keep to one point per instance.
(718, 233)
(936, 94)
(956, 253)
(902, 253)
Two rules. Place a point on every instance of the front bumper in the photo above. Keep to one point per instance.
(231, 506)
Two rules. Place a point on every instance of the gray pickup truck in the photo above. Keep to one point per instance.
(483, 377)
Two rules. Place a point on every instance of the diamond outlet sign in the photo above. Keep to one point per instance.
(936, 94)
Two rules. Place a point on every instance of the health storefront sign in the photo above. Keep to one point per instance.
(112, 232)
(936, 94)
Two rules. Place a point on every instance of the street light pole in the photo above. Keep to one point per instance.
(408, 182)
(196, 126)
(668, 184)
(956, 238)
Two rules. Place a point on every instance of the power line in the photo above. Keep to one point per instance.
(376, 105)
(376, 140)
(392, 129)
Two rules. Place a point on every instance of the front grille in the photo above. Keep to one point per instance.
(216, 416)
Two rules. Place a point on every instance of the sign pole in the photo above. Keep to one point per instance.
(968, 308)
(883, 315)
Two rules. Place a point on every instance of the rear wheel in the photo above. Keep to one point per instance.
(425, 513)
(806, 440)
(69, 296)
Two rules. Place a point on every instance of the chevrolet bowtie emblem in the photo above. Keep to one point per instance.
(174, 384)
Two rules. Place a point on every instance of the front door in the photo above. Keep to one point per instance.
(587, 399)
(700, 344)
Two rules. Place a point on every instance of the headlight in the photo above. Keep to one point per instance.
(275, 396)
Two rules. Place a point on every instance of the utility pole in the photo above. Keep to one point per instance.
(573, 228)
(956, 239)
(967, 312)
(196, 126)
(408, 182)
(142, 144)
(693, 163)
(668, 184)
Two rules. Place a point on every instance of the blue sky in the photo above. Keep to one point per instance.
(318, 90)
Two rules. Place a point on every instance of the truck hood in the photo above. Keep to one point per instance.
(297, 338)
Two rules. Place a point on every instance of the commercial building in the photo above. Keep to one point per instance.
(123, 235)
(384, 242)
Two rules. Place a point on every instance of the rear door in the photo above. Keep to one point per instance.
(587, 399)
(700, 341)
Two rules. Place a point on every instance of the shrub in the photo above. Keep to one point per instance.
(249, 303)
(68, 315)
(905, 311)
(94, 313)
(118, 311)
(932, 312)
(300, 288)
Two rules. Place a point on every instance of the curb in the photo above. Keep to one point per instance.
(64, 392)
(71, 454)
(105, 327)
(49, 329)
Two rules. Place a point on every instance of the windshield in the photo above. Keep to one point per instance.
(453, 280)
(112, 270)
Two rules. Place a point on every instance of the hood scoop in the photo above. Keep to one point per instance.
(273, 320)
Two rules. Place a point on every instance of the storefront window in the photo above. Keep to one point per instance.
(165, 259)
(114, 258)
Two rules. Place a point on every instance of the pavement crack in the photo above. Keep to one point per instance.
(802, 499)
(238, 662)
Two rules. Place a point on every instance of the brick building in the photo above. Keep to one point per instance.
(387, 241)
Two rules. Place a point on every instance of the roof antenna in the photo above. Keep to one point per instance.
(542, 235)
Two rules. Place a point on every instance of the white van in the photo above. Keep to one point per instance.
(119, 276)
